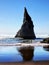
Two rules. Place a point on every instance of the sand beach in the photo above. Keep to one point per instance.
(27, 63)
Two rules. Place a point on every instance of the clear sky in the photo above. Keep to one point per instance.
(11, 15)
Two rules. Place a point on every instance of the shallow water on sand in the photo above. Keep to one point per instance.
(12, 54)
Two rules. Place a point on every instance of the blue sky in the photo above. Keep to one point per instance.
(11, 15)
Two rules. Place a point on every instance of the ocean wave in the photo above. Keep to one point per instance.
(6, 36)
(2, 36)
(42, 35)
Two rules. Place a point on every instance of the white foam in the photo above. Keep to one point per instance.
(6, 36)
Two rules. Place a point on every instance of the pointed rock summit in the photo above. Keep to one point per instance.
(27, 28)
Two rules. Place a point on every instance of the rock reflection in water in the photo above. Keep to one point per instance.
(27, 52)
(46, 40)
(46, 48)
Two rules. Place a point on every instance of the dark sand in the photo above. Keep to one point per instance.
(27, 63)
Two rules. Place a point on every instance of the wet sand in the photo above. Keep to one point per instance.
(27, 63)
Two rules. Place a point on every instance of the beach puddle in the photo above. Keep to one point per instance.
(23, 53)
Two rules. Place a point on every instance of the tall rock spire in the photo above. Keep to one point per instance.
(27, 18)
(26, 30)
(25, 13)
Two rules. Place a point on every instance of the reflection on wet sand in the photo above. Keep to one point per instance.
(27, 52)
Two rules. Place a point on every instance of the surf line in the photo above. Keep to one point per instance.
(25, 44)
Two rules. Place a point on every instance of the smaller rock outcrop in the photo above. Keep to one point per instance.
(46, 40)
(27, 28)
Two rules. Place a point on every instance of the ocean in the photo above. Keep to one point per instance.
(12, 53)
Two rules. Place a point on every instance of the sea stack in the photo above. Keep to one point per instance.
(27, 28)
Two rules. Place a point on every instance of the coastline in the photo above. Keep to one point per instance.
(26, 63)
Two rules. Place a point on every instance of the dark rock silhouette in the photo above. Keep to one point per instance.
(27, 29)
(27, 53)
